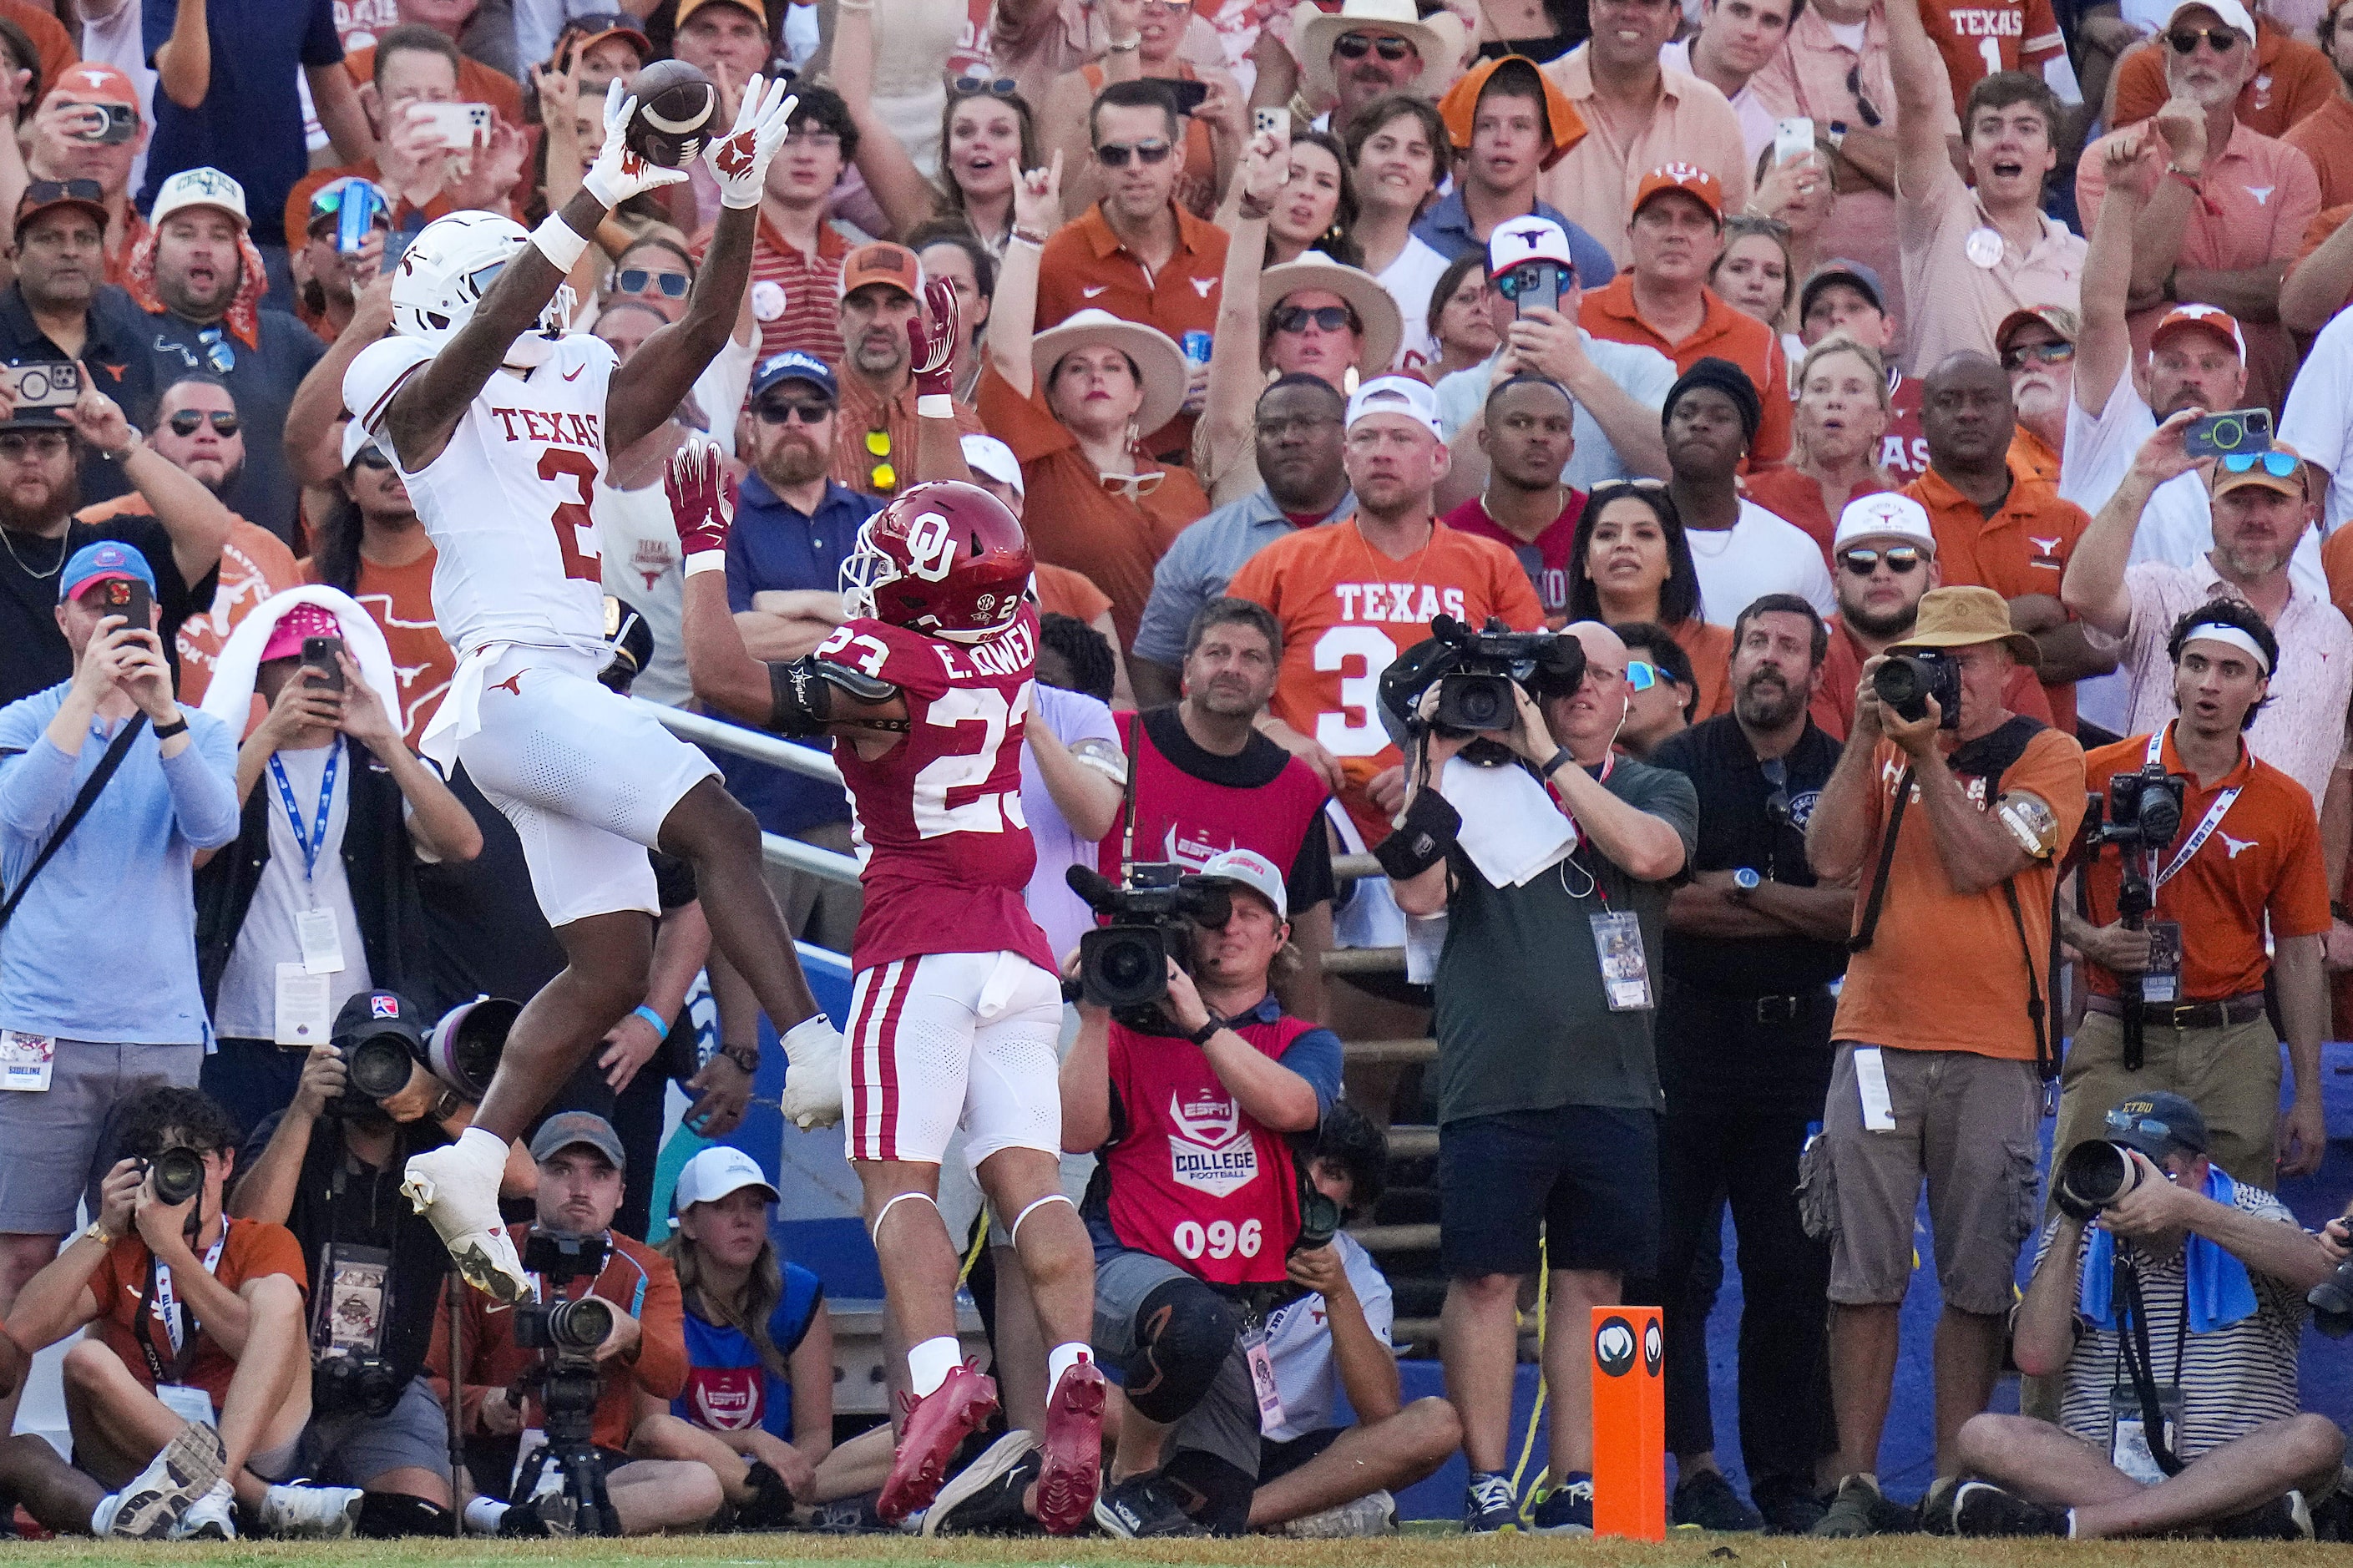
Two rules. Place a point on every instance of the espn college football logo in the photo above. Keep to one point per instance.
(1210, 1152)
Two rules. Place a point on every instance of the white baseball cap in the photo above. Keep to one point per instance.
(1524, 240)
(1253, 871)
(199, 188)
(1886, 515)
(1404, 394)
(987, 455)
(2234, 16)
(716, 1172)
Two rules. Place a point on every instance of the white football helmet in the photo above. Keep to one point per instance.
(447, 268)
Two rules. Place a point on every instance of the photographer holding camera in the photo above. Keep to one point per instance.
(2213, 847)
(1547, 1086)
(1199, 1199)
(1949, 812)
(504, 1382)
(2171, 1296)
(197, 1322)
(329, 1168)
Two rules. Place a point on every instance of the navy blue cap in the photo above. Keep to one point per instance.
(794, 365)
(2157, 1123)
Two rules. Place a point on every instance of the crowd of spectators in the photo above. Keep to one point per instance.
(1747, 344)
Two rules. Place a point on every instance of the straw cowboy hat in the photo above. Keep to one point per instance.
(1159, 364)
(1376, 310)
(1314, 30)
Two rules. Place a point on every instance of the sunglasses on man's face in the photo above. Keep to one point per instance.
(1641, 674)
(643, 280)
(2221, 40)
(785, 410)
(369, 458)
(1115, 154)
(2019, 358)
(1900, 559)
(1357, 46)
(1297, 317)
(187, 421)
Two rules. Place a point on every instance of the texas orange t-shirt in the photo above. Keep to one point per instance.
(252, 1249)
(1945, 971)
(1346, 610)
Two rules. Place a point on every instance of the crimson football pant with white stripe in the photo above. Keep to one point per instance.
(950, 1039)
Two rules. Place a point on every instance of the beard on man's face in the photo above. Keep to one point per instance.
(793, 460)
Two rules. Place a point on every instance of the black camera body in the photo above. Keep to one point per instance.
(2331, 1300)
(2143, 809)
(1907, 680)
(2092, 1175)
(178, 1172)
(566, 1327)
(375, 1067)
(365, 1383)
(1123, 965)
(1474, 693)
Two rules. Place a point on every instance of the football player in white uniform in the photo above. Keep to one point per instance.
(501, 422)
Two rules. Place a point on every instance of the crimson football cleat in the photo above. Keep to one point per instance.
(944, 559)
(936, 1425)
(1073, 1453)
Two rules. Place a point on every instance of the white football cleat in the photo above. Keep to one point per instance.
(812, 1097)
(450, 1187)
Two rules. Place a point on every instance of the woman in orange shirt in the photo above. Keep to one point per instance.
(1842, 416)
(1632, 564)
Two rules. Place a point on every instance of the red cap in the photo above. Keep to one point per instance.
(1690, 179)
(2213, 318)
(90, 82)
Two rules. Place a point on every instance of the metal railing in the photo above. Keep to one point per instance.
(806, 760)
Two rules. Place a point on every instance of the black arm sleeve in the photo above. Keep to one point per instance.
(803, 694)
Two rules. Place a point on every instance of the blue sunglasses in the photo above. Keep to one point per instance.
(1641, 676)
(2279, 465)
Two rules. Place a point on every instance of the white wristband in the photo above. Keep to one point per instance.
(934, 405)
(706, 561)
(559, 242)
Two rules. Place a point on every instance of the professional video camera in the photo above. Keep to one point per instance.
(1125, 965)
(1474, 672)
(1907, 680)
(566, 1335)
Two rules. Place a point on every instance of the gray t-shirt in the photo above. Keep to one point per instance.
(1522, 1022)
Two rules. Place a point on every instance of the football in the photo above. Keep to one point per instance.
(676, 106)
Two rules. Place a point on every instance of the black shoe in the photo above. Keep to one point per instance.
(1936, 1508)
(850, 1516)
(771, 1504)
(985, 1497)
(1144, 1509)
(1981, 1508)
(1705, 1500)
(1789, 1505)
(2285, 1518)
(1489, 1506)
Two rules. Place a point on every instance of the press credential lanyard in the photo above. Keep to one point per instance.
(168, 1308)
(316, 839)
(2213, 819)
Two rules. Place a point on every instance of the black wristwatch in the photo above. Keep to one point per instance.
(1200, 1036)
(1554, 762)
(178, 726)
(737, 1053)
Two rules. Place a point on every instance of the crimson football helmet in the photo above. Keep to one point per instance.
(944, 559)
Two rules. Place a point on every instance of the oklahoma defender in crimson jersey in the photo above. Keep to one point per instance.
(957, 1004)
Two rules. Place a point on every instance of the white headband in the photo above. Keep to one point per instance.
(2223, 632)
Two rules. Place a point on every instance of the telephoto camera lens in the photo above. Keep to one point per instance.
(580, 1325)
(1899, 685)
(1124, 965)
(179, 1175)
(378, 1067)
(2094, 1173)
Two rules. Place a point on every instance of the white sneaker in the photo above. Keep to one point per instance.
(298, 1512)
(451, 1187)
(812, 1097)
(188, 1469)
(1375, 1513)
(212, 1516)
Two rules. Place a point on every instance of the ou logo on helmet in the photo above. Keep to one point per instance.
(1613, 1347)
(930, 549)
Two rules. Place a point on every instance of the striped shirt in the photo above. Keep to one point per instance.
(2301, 729)
(796, 300)
(2232, 1381)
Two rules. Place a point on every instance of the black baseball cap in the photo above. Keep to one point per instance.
(2157, 1124)
(372, 1013)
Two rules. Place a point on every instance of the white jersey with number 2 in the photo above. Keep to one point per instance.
(507, 502)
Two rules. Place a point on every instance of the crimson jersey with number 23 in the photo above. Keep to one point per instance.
(945, 852)
(506, 503)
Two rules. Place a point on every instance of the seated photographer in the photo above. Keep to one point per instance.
(2164, 1254)
(1198, 1200)
(758, 1403)
(328, 1168)
(1949, 812)
(334, 811)
(503, 1383)
(1315, 1477)
(2231, 851)
(196, 1320)
(1547, 1085)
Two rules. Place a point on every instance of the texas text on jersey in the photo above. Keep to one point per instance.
(937, 819)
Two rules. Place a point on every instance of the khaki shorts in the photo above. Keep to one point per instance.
(1968, 1125)
(2232, 1074)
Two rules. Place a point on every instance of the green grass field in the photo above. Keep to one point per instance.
(1413, 1551)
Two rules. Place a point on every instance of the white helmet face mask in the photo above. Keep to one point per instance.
(448, 269)
(866, 569)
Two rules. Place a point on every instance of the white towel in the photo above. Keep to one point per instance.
(1512, 828)
(229, 698)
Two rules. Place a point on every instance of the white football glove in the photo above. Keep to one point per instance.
(739, 159)
(618, 174)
